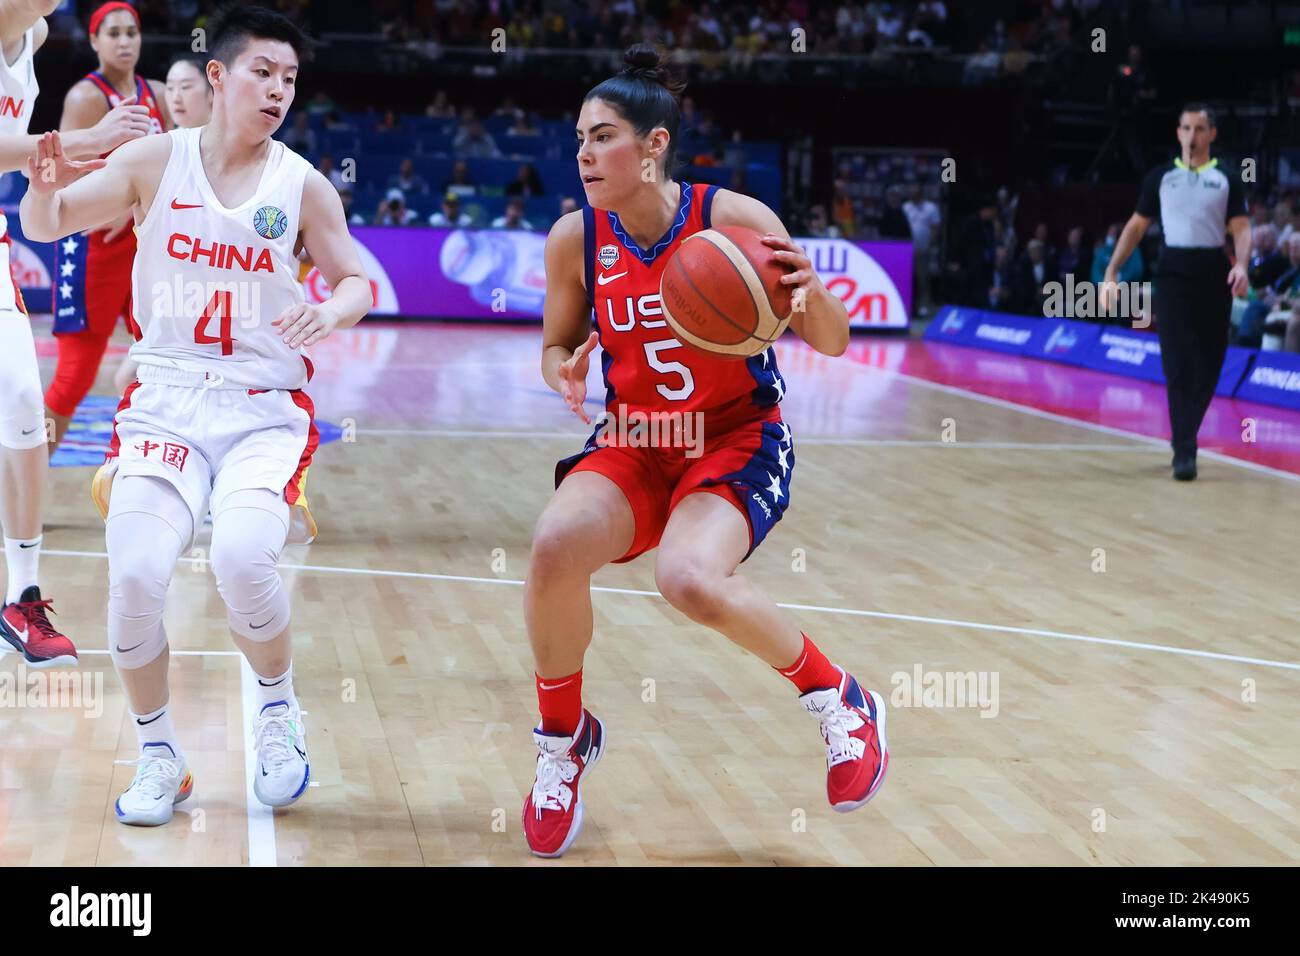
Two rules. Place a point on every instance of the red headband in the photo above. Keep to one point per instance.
(97, 17)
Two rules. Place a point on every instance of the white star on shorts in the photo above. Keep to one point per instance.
(67, 268)
(785, 465)
(785, 434)
(65, 290)
(69, 246)
(775, 487)
(779, 386)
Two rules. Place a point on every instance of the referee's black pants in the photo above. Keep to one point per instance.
(1193, 305)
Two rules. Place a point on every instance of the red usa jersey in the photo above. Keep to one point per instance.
(143, 97)
(646, 368)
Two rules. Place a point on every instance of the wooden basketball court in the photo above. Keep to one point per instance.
(1136, 639)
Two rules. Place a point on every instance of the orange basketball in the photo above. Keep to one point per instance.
(721, 292)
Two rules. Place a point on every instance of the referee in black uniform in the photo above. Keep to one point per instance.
(1197, 202)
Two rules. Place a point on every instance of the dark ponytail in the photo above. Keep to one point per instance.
(645, 94)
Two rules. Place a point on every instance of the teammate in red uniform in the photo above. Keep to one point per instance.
(92, 281)
(705, 507)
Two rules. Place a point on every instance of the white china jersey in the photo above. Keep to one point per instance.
(209, 280)
(18, 89)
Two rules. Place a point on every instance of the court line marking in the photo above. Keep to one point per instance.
(1065, 419)
(863, 442)
(261, 818)
(853, 612)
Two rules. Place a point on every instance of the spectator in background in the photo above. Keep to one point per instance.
(522, 126)
(460, 182)
(842, 210)
(1129, 96)
(1001, 280)
(334, 121)
(326, 168)
(440, 107)
(981, 66)
(893, 221)
(392, 210)
(320, 104)
(1042, 234)
(818, 227)
(923, 219)
(739, 181)
(300, 137)
(567, 205)
(526, 182)
(451, 216)
(389, 124)
(514, 217)
(1032, 274)
(353, 217)
(408, 181)
(1280, 293)
(1266, 263)
(507, 107)
(476, 142)
(976, 243)
(1073, 260)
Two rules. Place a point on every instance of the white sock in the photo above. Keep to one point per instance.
(156, 728)
(272, 689)
(22, 556)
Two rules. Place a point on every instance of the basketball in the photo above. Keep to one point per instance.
(722, 293)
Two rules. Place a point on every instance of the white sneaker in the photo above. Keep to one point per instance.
(282, 768)
(162, 780)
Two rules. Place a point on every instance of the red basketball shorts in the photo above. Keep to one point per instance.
(748, 464)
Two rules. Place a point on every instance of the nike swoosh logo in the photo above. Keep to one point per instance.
(145, 723)
(36, 545)
(565, 683)
(125, 650)
(300, 753)
(186, 205)
(603, 279)
(29, 431)
(257, 627)
(21, 635)
(264, 683)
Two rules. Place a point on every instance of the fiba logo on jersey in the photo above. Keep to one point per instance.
(270, 222)
(607, 256)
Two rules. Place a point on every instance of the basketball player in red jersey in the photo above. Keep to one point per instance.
(24, 461)
(706, 513)
(92, 284)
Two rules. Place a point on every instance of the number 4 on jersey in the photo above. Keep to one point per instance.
(219, 305)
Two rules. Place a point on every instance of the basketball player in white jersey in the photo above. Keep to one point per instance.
(188, 96)
(217, 416)
(23, 458)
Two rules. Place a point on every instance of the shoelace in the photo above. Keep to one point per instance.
(553, 771)
(276, 732)
(840, 744)
(34, 611)
(154, 775)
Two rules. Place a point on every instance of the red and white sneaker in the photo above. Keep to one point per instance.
(853, 726)
(24, 625)
(553, 810)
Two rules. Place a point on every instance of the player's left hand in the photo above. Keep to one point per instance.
(804, 277)
(305, 324)
(1237, 279)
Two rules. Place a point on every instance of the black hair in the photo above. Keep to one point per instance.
(199, 63)
(645, 93)
(1200, 108)
(231, 28)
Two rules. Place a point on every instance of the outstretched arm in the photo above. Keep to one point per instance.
(822, 322)
(325, 236)
(66, 196)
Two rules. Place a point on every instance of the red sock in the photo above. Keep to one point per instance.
(560, 701)
(812, 670)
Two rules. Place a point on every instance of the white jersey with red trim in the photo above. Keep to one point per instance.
(18, 89)
(209, 280)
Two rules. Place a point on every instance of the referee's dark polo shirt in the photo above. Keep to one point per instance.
(1193, 206)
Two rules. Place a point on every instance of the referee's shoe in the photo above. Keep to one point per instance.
(1185, 467)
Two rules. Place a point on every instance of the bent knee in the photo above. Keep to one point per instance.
(691, 588)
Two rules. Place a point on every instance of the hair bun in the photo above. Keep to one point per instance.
(645, 62)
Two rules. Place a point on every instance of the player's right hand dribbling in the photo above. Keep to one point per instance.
(51, 169)
(573, 377)
(123, 123)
